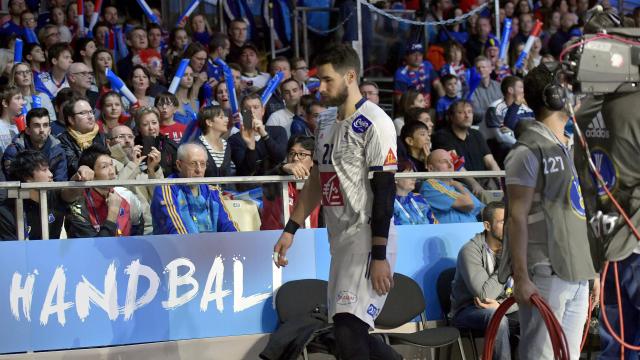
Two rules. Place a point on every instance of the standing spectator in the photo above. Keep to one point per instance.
(487, 91)
(213, 123)
(112, 114)
(101, 60)
(79, 78)
(409, 99)
(450, 83)
(12, 102)
(475, 45)
(450, 201)
(238, 38)
(251, 73)
(148, 126)
(22, 77)
(292, 92)
(187, 97)
(37, 136)
(410, 208)
(137, 41)
(417, 74)
(166, 104)
(259, 148)
(370, 91)
(189, 209)
(59, 61)
(139, 84)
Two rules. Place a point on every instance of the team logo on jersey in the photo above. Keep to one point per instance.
(606, 168)
(360, 124)
(391, 159)
(373, 310)
(597, 128)
(331, 195)
(575, 198)
(346, 298)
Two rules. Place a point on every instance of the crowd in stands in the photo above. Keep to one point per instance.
(64, 117)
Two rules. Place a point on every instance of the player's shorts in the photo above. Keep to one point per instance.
(350, 288)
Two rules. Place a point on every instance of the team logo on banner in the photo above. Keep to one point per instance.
(575, 198)
(360, 124)
(606, 168)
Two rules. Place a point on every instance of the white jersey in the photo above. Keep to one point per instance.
(346, 151)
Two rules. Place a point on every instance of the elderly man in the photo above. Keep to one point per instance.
(79, 77)
(189, 209)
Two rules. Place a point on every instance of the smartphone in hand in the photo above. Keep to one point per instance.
(247, 119)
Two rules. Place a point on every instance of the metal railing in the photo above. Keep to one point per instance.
(20, 191)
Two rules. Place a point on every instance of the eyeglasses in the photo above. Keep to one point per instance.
(300, 155)
(23, 72)
(124, 137)
(84, 113)
(53, 34)
(303, 68)
(83, 73)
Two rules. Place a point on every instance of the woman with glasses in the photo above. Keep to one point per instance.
(213, 122)
(112, 113)
(139, 83)
(22, 78)
(298, 163)
(100, 61)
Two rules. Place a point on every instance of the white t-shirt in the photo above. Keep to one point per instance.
(259, 81)
(282, 117)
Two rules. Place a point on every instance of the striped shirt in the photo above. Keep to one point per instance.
(217, 156)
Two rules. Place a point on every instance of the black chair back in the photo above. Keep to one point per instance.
(444, 289)
(404, 303)
(300, 297)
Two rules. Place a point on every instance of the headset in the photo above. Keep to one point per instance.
(554, 94)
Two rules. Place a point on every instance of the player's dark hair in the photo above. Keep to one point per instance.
(342, 57)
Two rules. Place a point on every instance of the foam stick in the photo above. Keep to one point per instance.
(118, 85)
(95, 15)
(147, 10)
(187, 12)
(80, 5)
(207, 93)
(231, 88)
(178, 76)
(527, 46)
(36, 102)
(30, 36)
(272, 85)
(506, 31)
(17, 51)
(474, 80)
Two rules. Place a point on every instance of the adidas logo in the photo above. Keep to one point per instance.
(597, 129)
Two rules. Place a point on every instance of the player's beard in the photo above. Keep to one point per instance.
(337, 100)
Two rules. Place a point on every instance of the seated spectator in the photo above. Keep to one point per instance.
(60, 125)
(251, 73)
(200, 29)
(311, 109)
(22, 77)
(259, 148)
(417, 74)
(149, 136)
(213, 124)
(487, 91)
(166, 103)
(455, 65)
(151, 61)
(189, 209)
(410, 208)
(104, 212)
(291, 92)
(299, 163)
(80, 77)
(37, 137)
(11, 101)
(187, 97)
(416, 141)
(476, 291)
(82, 131)
(503, 116)
(112, 113)
(557, 40)
(450, 83)
(409, 99)
(370, 91)
(450, 201)
(49, 35)
(58, 60)
(33, 166)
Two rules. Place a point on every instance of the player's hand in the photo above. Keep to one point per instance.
(381, 277)
(280, 250)
(523, 289)
(486, 303)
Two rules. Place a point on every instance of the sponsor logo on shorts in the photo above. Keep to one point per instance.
(360, 124)
(331, 195)
(373, 310)
(346, 298)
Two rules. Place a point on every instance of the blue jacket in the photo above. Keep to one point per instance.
(412, 209)
(52, 150)
(176, 211)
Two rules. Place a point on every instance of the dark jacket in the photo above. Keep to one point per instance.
(52, 149)
(168, 152)
(212, 169)
(267, 153)
(31, 215)
(72, 150)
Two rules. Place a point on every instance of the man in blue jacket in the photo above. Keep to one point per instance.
(37, 136)
(189, 209)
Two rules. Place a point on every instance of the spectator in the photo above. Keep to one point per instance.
(34, 56)
(450, 201)
(492, 52)
(28, 23)
(12, 26)
(276, 102)
(455, 65)
(197, 55)
(221, 97)
(101, 34)
(84, 49)
(417, 144)
(241, 87)
(104, 212)
(110, 15)
(137, 41)
(251, 74)
(301, 73)
(154, 37)
(33, 166)
(525, 24)
(178, 42)
(307, 125)
(12, 102)
(151, 61)
(450, 83)
(102, 60)
(81, 132)
(476, 291)
(112, 114)
(200, 29)
(298, 163)
(187, 96)
(417, 74)
(487, 91)
(189, 209)
(238, 38)
(49, 35)
(410, 208)
(139, 84)
(421, 115)
(60, 125)
(557, 41)
(166, 103)
(503, 116)
(213, 123)
(148, 126)
(37, 136)
(476, 43)
(410, 99)
(370, 91)
(291, 90)
(59, 19)
(59, 61)
(80, 77)
(219, 47)
(22, 77)
(259, 148)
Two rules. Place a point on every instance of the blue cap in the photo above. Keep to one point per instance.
(575, 32)
(414, 47)
(492, 41)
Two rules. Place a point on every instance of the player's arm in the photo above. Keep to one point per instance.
(520, 199)
(384, 194)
